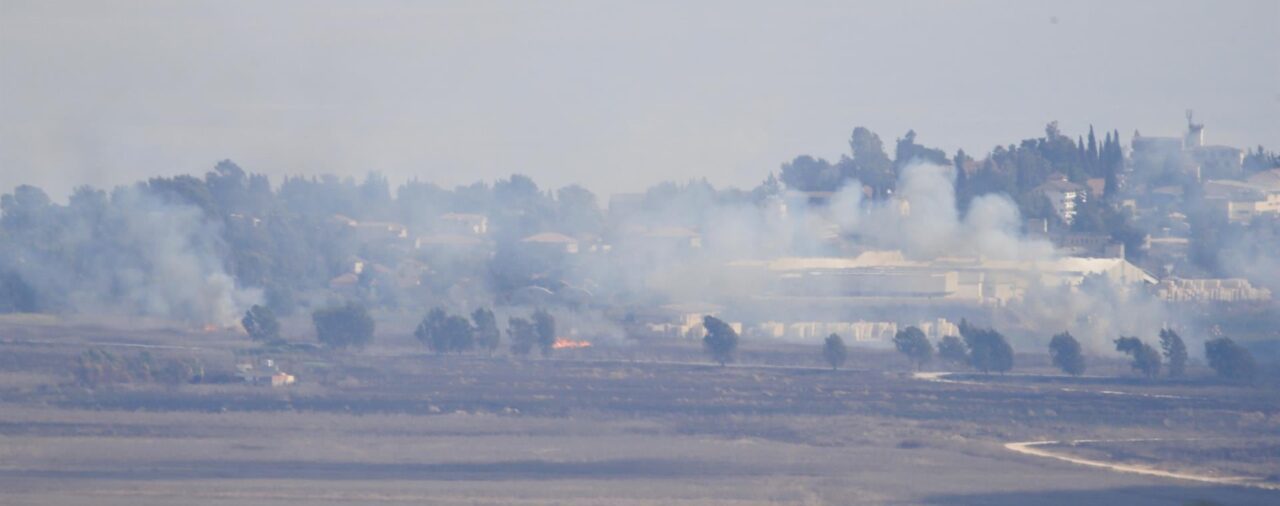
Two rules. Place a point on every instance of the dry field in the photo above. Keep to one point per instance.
(645, 423)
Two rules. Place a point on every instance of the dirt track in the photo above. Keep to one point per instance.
(1029, 448)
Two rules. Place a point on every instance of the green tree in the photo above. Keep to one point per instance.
(1230, 360)
(988, 349)
(1146, 359)
(912, 342)
(544, 327)
(1064, 349)
(1260, 160)
(261, 324)
(577, 210)
(345, 326)
(174, 372)
(721, 341)
(445, 333)
(488, 337)
(522, 335)
(770, 187)
(16, 295)
(908, 152)
(806, 173)
(834, 351)
(459, 336)
(430, 331)
(952, 349)
(1175, 352)
(870, 164)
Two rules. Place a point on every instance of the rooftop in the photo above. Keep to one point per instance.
(550, 238)
(895, 259)
(1061, 186)
(670, 232)
(1267, 179)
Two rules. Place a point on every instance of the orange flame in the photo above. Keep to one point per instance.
(562, 343)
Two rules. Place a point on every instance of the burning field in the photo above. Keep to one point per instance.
(563, 343)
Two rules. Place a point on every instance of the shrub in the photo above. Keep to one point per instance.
(1064, 349)
(344, 326)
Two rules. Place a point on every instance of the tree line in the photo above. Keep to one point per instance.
(987, 350)
(446, 333)
(350, 325)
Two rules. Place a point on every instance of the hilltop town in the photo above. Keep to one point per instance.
(850, 247)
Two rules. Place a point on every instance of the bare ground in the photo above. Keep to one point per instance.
(642, 424)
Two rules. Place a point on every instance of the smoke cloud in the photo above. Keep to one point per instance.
(922, 220)
(155, 257)
(132, 253)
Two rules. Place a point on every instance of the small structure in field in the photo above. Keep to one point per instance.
(268, 374)
(280, 379)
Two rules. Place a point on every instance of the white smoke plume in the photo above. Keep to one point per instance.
(922, 221)
(134, 254)
(182, 274)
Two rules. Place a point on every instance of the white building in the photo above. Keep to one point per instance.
(1241, 201)
(1217, 290)
(1063, 195)
(888, 276)
(553, 242)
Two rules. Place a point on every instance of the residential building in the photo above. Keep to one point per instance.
(1206, 290)
(1241, 201)
(1063, 196)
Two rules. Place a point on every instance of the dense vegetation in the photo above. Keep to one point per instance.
(345, 326)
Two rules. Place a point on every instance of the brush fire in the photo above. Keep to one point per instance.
(569, 344)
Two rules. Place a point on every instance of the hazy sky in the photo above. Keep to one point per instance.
(612, 95)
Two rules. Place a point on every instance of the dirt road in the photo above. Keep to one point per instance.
(1030, 448)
